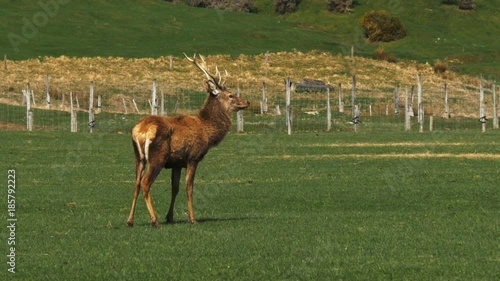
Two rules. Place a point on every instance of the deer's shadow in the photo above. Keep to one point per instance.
(212, 220)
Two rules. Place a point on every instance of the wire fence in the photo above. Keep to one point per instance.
(455, 106)
(329, 93)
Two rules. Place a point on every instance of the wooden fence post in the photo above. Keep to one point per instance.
(77, 103)
(91, 108)
(170, 62)
(407, 112)
(239, 115)
(341, 103)
(63, 106)
(482, 106)
(125, 110)
(47, 93)
(5, 61)
(162, 105)
(288, 85)
(495, 108)
(135, 106)
(396, 100)
(290, 120)
(29, 112)
(73, 116)
(99, 104)
(33, 97)
(446, 113)
(263, 103)
(154, 101)
(412, 99)
(30, 120)
(328, 111)
(355, 120)
(355, 108)
(420, 104)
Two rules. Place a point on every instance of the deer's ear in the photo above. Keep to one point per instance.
(212, 88)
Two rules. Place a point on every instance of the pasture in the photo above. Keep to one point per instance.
(311, 206)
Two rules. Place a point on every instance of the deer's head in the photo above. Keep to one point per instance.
(216, 89)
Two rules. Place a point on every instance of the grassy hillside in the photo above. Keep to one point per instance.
(465, 39)
(152, 28)
(149, 29)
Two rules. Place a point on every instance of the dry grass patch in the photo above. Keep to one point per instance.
(5, 126)
(133, 78)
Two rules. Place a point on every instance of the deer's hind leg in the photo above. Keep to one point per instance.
(146, 182)
(140, 163)
(176, 176)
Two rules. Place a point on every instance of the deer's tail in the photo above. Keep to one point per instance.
(142, 140)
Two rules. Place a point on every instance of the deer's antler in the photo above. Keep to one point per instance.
(203, 67)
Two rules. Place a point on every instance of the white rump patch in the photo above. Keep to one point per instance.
(139, 148)
(146, 148)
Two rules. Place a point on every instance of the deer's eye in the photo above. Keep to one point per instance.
(231, 96)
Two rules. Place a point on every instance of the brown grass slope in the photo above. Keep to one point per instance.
(132, 78)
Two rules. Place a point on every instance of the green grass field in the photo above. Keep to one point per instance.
(326, 206)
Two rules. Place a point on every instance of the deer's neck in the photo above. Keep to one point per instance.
(216, 120)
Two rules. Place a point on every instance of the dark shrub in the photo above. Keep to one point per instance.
(228, 5)
(449, 2)
(440, 67)
(340, 6)
(381, 54)
(200, 3)
(285, 6)
(466, 5)
(379, 26)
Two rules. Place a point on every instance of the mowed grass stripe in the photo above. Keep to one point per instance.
(388, 155)
(395, 144)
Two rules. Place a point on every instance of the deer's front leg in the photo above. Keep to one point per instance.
(190, 173)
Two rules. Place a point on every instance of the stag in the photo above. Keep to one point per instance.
(181, 142)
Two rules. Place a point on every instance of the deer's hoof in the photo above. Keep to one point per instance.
(193, 221)
(169, 219)
(130, 223)
(155, 224)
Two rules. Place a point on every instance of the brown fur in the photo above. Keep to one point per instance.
(180, 142)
